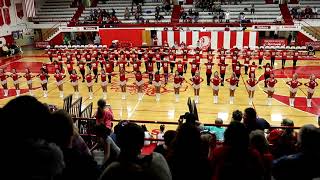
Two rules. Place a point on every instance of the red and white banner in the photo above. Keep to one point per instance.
(274, 42)
(6, 15)
(30, 9)
(213, 39)
(41, 44)
(315, 45)
(1, 17)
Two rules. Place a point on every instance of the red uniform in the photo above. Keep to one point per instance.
(43, 77)
(69, 66)
(196, 80)
(222, 59)
(210, 57)
(78, 57)
(294, 83)
(158, 57)
(94, 65)
(284, 54)
(215, 81)
(251, 82)
(165, 67)
(3, 77)
(87, 56)
(89, 78)
(69, 57)
(233, 81)
(194, 67)
(15, 76)
(82, 66)
(223, 68)
(295, 55)
(267, 70)
(58, 77)
(260, 54)
(246, 61)
(209, 67)
(109, 68)
(122, 65)
(180, 67)
(157, 78)
(27, 76)
(197, 59)
(74, 77)
(252, 69)
(122, 77)
(271, 82)
(177, 79)
(103, 77)
(237, 70)
(150, 66)
(136, 65)
(138, 77)
(312, 84)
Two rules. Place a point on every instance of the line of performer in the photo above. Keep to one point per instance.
(168, 60)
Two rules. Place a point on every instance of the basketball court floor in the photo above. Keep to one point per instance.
(169, 110)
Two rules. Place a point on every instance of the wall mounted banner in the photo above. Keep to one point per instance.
(133, 36)
(315, 45)
(274, 42)
(6, 15)
(1, 17)
(213, 39)
(19, 10)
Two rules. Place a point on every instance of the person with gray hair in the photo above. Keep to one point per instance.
(218, 130)
(302, 165)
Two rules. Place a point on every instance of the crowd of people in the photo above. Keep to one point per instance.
(301, 13)
(160, 63)
(101, 16)
(48, 146)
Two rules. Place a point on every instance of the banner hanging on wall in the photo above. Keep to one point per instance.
(19, 10)
(133, 36)
(274, 42)
(1, 17)
(6, 15)
(7, 3)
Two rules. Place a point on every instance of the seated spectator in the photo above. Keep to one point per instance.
(217, 130)
(104, 114)
(147, 135)
(259, 142)
(251, 121)
(279, 19)
(252, 10)
(168, 138)
(235, 159)
(161, 134)
(208, 144)
(308, 12)
(227, 16)
(185, 158)
(113, 12)
(283, 140)
(196, 16)
(302, 165)
(167, 8)
(126, 13)
(77, 166)
(5, 50)
(237, 115)
(131, 164)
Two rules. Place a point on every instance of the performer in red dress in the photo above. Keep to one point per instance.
(74, 81)
(252, 69)
(123, 83)
(185, 61)
(252, 82)
(89, 79)
(234, 61)
(209, 66)
(59, 81)
(15, 77)
(233, 85)
(312, 84)
(150, 70)
(3, 78)
(260, 57)
(82, 69)
(223, 68)
(283, 58)
(50, 54)
(196, 81)
(267, 72)
(194, 67)
(109, 70)
(158, 60)
(44, 81)
(29, 77)
(139, 85)
(293, 84)
(104, 83)
(69, 64)
(157, 85)
(180, 65)
(246, 64)
(78, 57)
(95, 65)
(172, 59)
(272, 53)
(177, 82)
(215, 86)
(237, 71)
(271, 82)
(165, 67)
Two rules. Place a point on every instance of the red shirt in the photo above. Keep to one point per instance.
(295, 55)
(15, 76)
(312, 84)
(88, 78)
(294, 83)
(210, 57)
(234, 60)
(88, 57)
(82, 66)
(58, 77)
(177, 79)
(78, 57)
(122, 76)
(251, 82)
(271, 82)
(138, 77)
(136, 65)
(158, 57)
(122, 65)
(69, 66)
(69, 57)
(103, 77)
(284, 54)
(157, 77)
(252, 69)
(180, 67)
(209, 67)
(215, 81)
(233, 81)
(196, 80)
(222, 59)
(223, 68)
(109, 68)
(246, 61)
(27, 76)
(74, 77)
(194, 67)
(43, 76)
(260, 54)
(237, 70)
(165, 66)
(95, 65)
(3, 77)
(59, 56)
(150, 66)
(267, 70)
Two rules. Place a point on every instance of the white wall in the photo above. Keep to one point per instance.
(16, 22)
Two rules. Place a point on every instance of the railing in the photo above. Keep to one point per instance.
(67, 102)
(308, 28)
(75, 109)
(87, 111)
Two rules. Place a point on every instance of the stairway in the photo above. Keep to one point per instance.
(77, 15)
(175, 14)
(286, 14)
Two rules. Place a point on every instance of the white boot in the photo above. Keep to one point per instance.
(123, 96)
(140, 96)
(30, 92)
(309, 104)
(196, 99)
(6, 92)
(269, 101)
(231, 99)
(104, 95)
(250, 101)
(157, 97)
(17, 92)
(291, 102)
(45, 94)
(177, 97)
(90, 95)
(61, 94)
(215, 99)
(76, 95)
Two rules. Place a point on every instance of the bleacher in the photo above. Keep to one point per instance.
(315, 5)
(264, 13)
(53, 11)
(148, 10)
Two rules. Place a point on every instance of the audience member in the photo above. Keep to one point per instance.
(161, 134)
(252, 10)
(168, 138)
(5, 50)
(218, 130)
(185, 158)
(104, 114)
(147, 135)
(235, 159)
(131, 164)
(304, 164)
(208, 144)
(237, 115)
(126, 13)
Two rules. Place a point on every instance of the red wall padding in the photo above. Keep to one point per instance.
(302, 39)
(123, 35)
(6, 15)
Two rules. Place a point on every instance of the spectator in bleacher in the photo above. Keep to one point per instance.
(104, 114)
(97, 39)
(259, 142)
(147, 135)
(185, 158)
(283, 140)
(252, 10)
(237, 115)
(304, 164)
(308, 12)
(208, 144)
(126, 13)
(77, 166)
(167, 7)
(168, 138)
(113, 12)
(251, 121)
(5, 50)
(218, 130)
(227, 16)
(235, 158)
(196, 16)
(161, 134)
(25, 137)
(131, 164)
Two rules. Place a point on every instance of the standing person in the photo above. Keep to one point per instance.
(157, 85)
(69, 66)
(82, 69)
(311, 86)
(139, 85)
(123, 83)
(29, 77)
(150, 70)
(74, 82)
(109, 70)
(158, 60)
(237, 71)
(267, 72)
(294, 84)
(234, 61)
(95, 65)
(104, 83)
(177, 82)
(246, 64)
(180, 67)
(196, 81)
(215, 86)
(283, 58)
(89, 79)
(15, 77)
(194, 67)
(3, 78)
(209, 66)
(172, 59)
(233, 85)
(78, 57)
(59, 81)
(260, 57)
(272, 53)
(252, 82)
(223, 68)
(185, 60)
(271, 81)
(295, 58)
(165, 67)
(44, 81)
(252, 69)
(50, 54)
(104, 114)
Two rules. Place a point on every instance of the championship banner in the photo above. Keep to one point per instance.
(42, 44)
(6, 15)
(133, 36)
(274, 42)
(213, 39)
(1, 18)
(315, 45)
